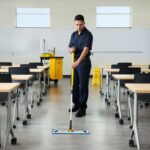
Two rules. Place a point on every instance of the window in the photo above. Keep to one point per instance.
(113, 17)
(33, 17)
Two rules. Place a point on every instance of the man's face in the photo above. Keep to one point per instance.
(79, 25)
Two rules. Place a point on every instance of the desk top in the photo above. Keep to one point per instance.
(105, 67)
(4, 70)
(144, 66)
(143, 88)
(6, 67)
(43, 67)
(37, 70)
(140, 65)
(145, 70)
(8, 87)
(123, 76)
(111, 70)
(21, 77)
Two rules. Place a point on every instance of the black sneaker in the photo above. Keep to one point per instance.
(81, 113)
(74, 108)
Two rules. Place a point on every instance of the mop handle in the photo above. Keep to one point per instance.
(72, 72)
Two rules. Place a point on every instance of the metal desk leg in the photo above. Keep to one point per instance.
(48, 77)
(119, 104)
(101, 86)
(8, 128)
(40, 91)
(130, 116)
(115, 91)
(32, 99)
(26, 104)
(44, 85)
(134, 131)
(107, 89)
(18, 106)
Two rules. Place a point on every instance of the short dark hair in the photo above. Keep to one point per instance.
(79, 18)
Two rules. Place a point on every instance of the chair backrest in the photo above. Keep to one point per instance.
(129, 70)
(24, 65)
(5, 78)
(19, 70)
(114, 66)
(149, 66)
(124, 64)
(5, 63)
(142, 78)
(35, 64)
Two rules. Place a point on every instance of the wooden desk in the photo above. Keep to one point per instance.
(145, 70)
(46, 68)
(6, 67)
(137, 89)
(105, 66)
(39, 72)
(21, 77)
(140, 88)
(43, 67)
(111, 70)
(123, 76)
(119, 77)
(108, 72)
(8, 88)
(24, 78)
(140, 65)
(6, 70)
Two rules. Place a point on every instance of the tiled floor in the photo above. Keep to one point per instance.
(106, 133)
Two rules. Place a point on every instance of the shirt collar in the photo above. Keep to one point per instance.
(81, 31)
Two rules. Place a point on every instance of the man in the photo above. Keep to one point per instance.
(81, 44)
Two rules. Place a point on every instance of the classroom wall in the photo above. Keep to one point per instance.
(22, 45)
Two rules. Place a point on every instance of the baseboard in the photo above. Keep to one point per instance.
(68, 76)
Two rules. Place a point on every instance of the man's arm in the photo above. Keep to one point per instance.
(81, 58)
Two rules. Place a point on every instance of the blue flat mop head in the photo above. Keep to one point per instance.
(81, 132)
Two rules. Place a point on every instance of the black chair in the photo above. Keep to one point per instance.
(35, 64)
(4, 78)
(128, 71)
(124, 64)
(24, 65)
(149, 66)
(113, 66)
(142, 78)
(5, 63)
(19, 70)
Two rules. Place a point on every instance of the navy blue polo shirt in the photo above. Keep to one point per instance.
(85, 39)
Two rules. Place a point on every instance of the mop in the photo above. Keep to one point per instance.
(70, 129)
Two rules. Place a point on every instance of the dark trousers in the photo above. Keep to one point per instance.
(81, 83)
